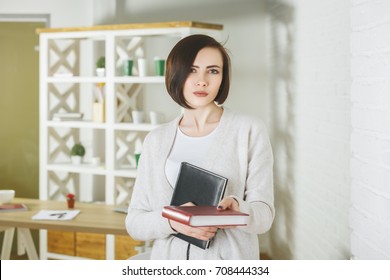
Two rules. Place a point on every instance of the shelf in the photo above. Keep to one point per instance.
(76, 79)
(140, 80)
(89, 124)
(81, 168)
(135, 127)
(132, 26)
(77, 124)
(87, 168)
(126, 172)
(119, 79)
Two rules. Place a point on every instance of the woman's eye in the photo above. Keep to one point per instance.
(214, 71)
(192, 70)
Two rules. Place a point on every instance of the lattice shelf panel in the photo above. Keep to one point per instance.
(64, 56)
(126, 143)
(62, 183)
(123, 190)
(127, 98)
(60, 143)
(128, 48)
(63, 98)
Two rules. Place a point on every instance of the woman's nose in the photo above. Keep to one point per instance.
(202, 81)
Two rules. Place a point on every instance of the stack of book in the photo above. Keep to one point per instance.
(67, 116)
(205, 189)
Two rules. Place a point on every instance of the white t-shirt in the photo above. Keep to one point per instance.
(189, 149)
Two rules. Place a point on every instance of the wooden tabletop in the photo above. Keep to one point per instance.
(93, 218)
(172, 24)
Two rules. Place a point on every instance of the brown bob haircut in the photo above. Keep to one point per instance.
(181, 59)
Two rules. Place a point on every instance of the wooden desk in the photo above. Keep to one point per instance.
(93, 218)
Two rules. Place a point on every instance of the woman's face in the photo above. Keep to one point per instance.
(205, 78)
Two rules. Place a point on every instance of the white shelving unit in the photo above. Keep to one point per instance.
(67, 84)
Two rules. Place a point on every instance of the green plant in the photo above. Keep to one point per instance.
(101, 62)
(77, 150)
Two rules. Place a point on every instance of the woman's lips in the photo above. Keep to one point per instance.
(201, 93)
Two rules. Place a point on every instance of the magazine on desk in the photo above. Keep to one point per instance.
(56, 215)
(13, 207)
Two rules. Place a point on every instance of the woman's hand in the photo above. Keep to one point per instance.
(203, 233)
(228, 203)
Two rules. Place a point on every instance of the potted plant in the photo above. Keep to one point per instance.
(70, 199)
(101, 66)
(77, 153)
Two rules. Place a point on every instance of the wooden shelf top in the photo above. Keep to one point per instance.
(173, 24)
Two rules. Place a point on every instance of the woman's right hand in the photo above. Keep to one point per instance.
(203, 233)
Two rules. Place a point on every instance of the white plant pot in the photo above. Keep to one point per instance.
(100, 72)
(77, 159)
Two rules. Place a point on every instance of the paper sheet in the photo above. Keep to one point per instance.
(57, 215)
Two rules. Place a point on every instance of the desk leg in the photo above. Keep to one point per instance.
(28, 243)
(21, 250)
(110, 250)
(7, 243)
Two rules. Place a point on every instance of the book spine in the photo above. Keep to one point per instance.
(176, 216)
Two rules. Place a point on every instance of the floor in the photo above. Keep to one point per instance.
(263, 256)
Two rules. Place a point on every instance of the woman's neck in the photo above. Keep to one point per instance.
(200, 122)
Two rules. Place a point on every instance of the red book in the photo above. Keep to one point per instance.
(12, 207)
(198, 216)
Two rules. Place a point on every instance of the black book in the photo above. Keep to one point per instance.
(201, 187)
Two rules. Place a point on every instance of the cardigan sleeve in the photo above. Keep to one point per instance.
(144, 220)
(258, 200)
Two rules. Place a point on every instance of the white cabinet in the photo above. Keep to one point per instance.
(68, 84)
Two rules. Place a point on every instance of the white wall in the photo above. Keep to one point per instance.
(370, 140)
(62, 13)
(309, 92)
(329, 89)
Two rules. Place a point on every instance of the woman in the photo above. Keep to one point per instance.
(214, 138)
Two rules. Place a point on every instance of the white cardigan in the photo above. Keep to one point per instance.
(241, 151)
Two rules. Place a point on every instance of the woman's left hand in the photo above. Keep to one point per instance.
(228, 203)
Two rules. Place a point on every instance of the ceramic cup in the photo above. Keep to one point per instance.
(159, 65)
(128, 67)
(138, 116)
(137, 156)
(95, 161)
(142, 67)
(156, 117)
